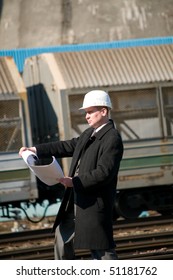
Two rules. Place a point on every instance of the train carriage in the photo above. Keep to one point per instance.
(140, 83)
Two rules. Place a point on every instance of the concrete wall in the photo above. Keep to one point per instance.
(37, 23)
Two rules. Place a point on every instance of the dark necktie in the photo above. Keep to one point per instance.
(88, 143)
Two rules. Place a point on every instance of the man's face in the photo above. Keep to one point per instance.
(96, 116)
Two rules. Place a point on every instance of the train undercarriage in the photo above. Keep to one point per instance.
(129, 203)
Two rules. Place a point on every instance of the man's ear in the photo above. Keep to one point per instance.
(104, 111)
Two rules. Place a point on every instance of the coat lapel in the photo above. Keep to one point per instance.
(78, 150)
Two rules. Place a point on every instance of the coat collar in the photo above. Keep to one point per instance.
(83, 140)
(88, 132)
(104, 129)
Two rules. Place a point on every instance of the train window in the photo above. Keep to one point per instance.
(136, 114)
(10, 125)
(139, 114)
(167, 94)
(78, 121)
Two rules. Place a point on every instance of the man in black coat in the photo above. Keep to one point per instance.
(85, 217)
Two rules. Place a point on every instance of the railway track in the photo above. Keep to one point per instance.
(142, 239)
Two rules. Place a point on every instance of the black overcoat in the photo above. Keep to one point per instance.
(94, 187)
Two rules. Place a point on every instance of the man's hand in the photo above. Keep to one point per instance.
(22, 149)
(67, 182)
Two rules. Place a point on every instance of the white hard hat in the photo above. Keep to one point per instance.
(96, 98)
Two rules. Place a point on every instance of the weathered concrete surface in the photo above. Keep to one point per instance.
(33, 23)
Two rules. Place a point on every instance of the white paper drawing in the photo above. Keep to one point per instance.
(49, 174)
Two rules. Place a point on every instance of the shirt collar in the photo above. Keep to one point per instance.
(100, 127)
